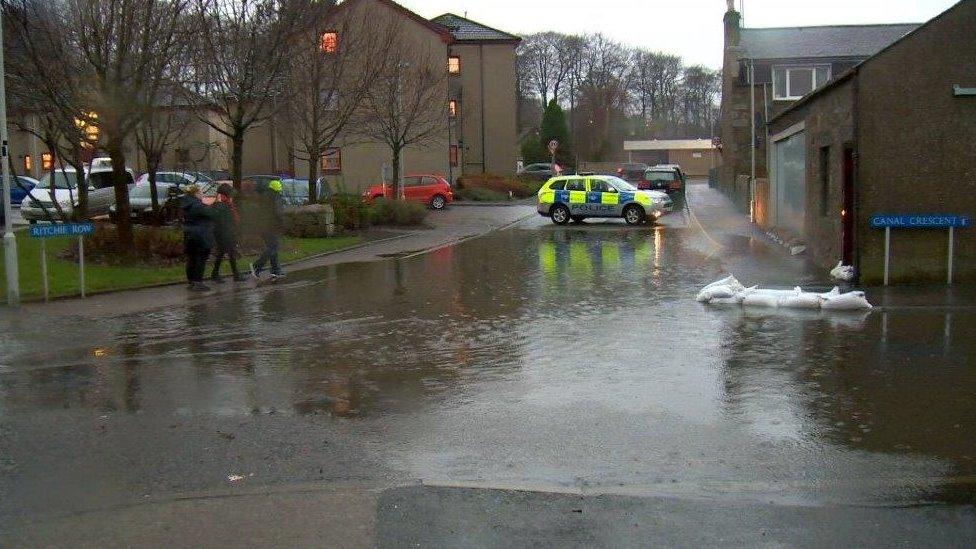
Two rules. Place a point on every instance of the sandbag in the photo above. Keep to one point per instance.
(715, 292)
(842, 272)
(850, 301)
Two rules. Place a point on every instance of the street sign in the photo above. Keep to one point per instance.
(553, 145)
(920, 221)
(61, 229)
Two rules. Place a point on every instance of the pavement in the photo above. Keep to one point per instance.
(532, 386)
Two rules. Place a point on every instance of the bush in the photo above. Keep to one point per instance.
(520, 188)
(481, 194)
(397, 212)
(312, 221)
(152, 245)
(350, 211)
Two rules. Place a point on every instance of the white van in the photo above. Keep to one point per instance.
(39, 204)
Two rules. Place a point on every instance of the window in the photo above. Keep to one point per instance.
(28, 163)
(557, 186)
(824, 179)
(790, 83)
(452, 108)
(454, 64)
(453, 152)
(414, 181)
(329, 42)
(332, 161)
(599, 186)
(575, 185)
(47, 161)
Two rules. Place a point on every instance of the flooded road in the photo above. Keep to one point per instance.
(540, 357)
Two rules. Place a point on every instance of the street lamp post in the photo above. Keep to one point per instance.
(9, 240)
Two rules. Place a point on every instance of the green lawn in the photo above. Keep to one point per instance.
(63, 274)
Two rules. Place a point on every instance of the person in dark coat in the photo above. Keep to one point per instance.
(226, 224)
(272, 226)
(198, 236)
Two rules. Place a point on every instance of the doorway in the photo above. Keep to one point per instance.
(847, 214)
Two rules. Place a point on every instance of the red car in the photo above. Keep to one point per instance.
(432, 190)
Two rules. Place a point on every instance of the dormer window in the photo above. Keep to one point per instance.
(793, 82)
(329, 42)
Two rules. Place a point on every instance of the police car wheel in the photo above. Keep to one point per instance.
(578, 219)
(634, 215)
(559, 214)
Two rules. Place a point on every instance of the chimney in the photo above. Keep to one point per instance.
(733, 30)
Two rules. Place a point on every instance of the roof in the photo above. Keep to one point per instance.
(466, 30)
(430, 24)
(813, 42)
(668, 145)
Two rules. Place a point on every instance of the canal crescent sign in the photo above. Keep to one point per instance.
(60, 229)
(920, 221)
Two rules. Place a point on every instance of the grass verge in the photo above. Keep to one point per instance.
(63, 274)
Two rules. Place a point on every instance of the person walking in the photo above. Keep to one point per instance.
(197, 236)
(226, 228)
(271, 229)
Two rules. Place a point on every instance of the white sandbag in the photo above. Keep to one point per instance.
(729, 281)
(733, 301)
(715, 292)
(760, 298)
(850, 301)
(800, 300)
(842, 272)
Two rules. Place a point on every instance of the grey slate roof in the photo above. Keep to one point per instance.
(830, 41)
(466, 29)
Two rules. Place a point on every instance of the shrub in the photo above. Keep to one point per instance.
(350, 211)
(520, 188)
(152, 245)
(397, 212)
(312, 221)
(481, 194)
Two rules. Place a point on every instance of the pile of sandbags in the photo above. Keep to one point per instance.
(842, 272)
(729, 291)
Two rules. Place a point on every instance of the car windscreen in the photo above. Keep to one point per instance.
(143, 191)
(62, 180)
(660, 175)
(619, 184)
(297, 188)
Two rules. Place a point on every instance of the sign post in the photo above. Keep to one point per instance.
(62, 229)
(920, 221)
(552, 146)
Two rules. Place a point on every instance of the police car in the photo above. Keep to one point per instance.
(577, 197)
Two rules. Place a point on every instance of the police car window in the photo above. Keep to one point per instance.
(599, 186)
(575, 185)
(557, 186)
(620, 184)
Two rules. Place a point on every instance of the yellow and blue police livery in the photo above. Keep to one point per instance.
(577, 197)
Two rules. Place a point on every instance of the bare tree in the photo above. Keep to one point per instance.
(240, 58)
(407, 105)
(548, 59)
(332, 66)
(162, 125)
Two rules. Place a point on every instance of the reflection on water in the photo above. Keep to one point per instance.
(526, 324)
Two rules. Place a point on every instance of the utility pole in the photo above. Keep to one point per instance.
(9, 240)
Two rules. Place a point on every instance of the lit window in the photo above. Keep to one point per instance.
(454, 64)
(89, 128)
(47, 161)
(791, 83)
(329, 42)
(28, 163)
(454, 155)
(452, 108)
(332, 161)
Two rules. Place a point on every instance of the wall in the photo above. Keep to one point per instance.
(692, 166)
(916, 144)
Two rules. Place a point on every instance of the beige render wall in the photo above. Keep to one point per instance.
(501, 143)
(473, 156)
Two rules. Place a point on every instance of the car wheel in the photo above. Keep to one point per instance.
(438, 202)
(578, 219)
(559, 214)
(634, 215)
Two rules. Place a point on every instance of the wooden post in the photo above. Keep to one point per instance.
(952, 235)
(81, 264)
(44, 269)
(887, 253)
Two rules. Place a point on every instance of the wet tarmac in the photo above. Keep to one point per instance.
(540, 358)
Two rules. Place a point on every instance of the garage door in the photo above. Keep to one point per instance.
(789, 186)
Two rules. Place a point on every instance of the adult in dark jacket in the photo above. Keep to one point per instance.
(271, 228)
(226, 222)
(198, 236)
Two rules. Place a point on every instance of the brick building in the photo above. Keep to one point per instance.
(894, 134)
(766, 70)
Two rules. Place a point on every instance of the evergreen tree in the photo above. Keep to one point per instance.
(554, 127)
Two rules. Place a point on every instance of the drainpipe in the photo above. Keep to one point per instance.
(752, 142)
(855, 168)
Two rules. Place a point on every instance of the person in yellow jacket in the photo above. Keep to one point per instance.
(271, 232)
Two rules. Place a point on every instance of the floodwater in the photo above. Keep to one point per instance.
(540, 357)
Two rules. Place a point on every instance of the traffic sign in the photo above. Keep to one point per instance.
(920, 221)
(553, 145)
(61, 229)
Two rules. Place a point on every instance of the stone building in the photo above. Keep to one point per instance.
(894, 134)
(766, 70)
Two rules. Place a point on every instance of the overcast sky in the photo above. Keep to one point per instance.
(689, 28)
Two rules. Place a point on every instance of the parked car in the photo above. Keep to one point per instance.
(578, 197)
(663, 178)
(539, 171)
(19, 189)
(432, 190)
(632, 172)
(140, 199)
(176, 177)
(40, 203)
(251, 184)
(216, 175)
(294, 192)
